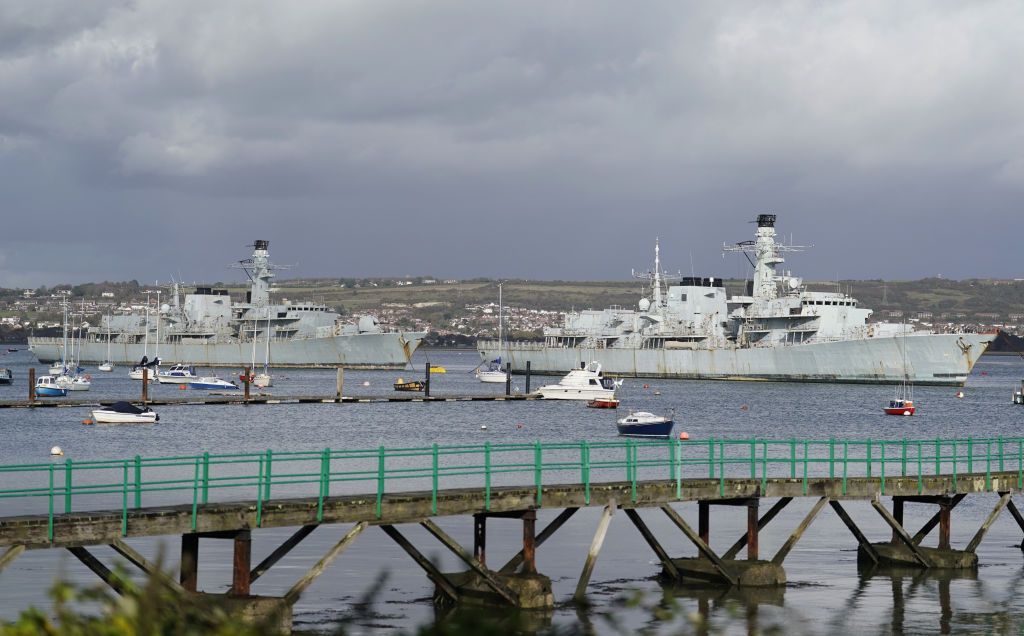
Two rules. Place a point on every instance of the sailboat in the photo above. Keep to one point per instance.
(72, 379)
(903, 402)
(136, 371)
(107, 364)
(263, 380)
(494, 373)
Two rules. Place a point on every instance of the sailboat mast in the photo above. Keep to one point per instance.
(266, 357)
(64, 341)
(145, 341)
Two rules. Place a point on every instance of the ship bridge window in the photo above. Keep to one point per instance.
(282, 314)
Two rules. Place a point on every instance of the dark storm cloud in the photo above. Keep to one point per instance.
(545, 140)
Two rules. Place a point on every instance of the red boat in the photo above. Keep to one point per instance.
(603, 403)
(900, 407)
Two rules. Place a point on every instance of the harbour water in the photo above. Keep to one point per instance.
(825, 593)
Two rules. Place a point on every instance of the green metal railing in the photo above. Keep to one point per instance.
(67, 486)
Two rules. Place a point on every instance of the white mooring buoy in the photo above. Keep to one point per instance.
(56, 451)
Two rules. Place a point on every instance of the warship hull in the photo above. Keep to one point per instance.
(931, 359)
(385, 350)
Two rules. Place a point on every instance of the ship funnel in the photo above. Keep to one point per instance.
(765, 220)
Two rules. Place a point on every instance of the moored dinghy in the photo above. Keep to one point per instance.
(124, 413)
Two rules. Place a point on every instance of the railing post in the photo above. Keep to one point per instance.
(679, 468)
(1000, 440)
(903, 452)
(138, 481)
(585, 469)
(1020, 463)
(195, 493)
(711, 458)
(49, 522)
(832, 458)
(487, 475)
(920, 470)
(868, 458)
(433, 476)
(67, 484)
(792, 458)
(268, 477)
(970, 454)
(380, 479)
(259, 492)
(938, 457)
(764, 467)
(537, 469)
(753, 459)
(124, 499)
(325, 482)
(721, 467)
(988, 464)
(805, 467)
(846, 456)
(954, 465)
(881, 445)
(206, 477)
(631, 451)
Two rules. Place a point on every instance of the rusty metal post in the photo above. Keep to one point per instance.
(145, 385)
(508, 378)
(480, 539)
(242, 564)
(527, 376)
(752, 530)
(897, 514)
(31, 385)
(248, 379)
(189, 569)
(426, 382)
(944, 523)
(704, 521)
(529, 542)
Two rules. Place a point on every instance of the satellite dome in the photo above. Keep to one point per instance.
(645, 304)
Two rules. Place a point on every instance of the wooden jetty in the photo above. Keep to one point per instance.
(232, 496)
(246, 396)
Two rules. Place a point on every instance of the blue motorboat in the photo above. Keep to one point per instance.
(46, 386)
(644, 424)
(212, 383)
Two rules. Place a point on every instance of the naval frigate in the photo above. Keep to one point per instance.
(777, 330)
(209, 329)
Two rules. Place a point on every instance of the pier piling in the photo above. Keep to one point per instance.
(31, 385)
(145, 386)
(426, 380)
(340, 382)
(508, 378)
(527, 376)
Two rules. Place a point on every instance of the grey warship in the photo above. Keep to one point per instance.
(208, 329)
(777, 330)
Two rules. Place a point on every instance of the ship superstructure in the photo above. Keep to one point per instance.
(688, 327)
(208, 329)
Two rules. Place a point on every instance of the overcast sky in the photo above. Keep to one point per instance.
(549, 140)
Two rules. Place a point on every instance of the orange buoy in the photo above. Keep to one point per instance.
(182, 387)
(647, 386)
(744, 408)
(87, 421)
(683, 435)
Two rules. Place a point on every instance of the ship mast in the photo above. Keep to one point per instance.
(767, 254)
(657, 278)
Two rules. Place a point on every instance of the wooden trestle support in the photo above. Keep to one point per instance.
(518, 584)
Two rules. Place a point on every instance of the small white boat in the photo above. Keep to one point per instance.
(585, 383)
(124, 413)
(107, 367)
(211, 383)
(57, 368)
(492, 376)
(74, 382)
(177, 374)
(47, 387)
(262, 380)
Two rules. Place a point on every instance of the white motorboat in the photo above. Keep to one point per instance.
(47, 387)
(177, 374)
(74, 382)
(585, 383)
(212, 383)
(106, 366)
(262, 380)
(124, 413)
(57, 368)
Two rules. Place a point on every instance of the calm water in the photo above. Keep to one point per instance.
(825, 593)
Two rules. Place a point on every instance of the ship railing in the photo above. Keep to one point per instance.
(68, 486)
